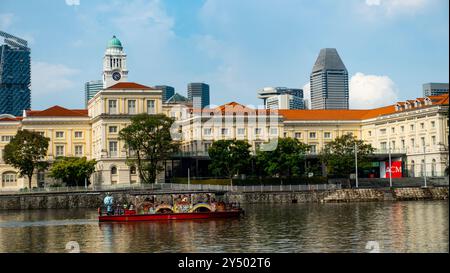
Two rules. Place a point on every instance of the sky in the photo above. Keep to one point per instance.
(390, 47)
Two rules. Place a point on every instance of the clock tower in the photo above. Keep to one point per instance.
(114, 64)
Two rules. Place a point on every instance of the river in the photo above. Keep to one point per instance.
(416, 226)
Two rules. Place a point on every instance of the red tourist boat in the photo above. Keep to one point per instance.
(168, 206)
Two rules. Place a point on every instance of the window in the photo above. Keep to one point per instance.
(241, 131)
(274, 131)
(392, 129)
(433, 140)
(312, 135)
(207, 146)
(413, 143)
(411, 127)
(393, 144)
(78, 134)
(403, 143)
(113, 170)
(131, 107)
(9, 179)
(383, 146)
(312, 149)
(258, 131)
(422, 140)
(433, 124)
(132, 170)
(59, 134)
(113, 129)
(370, 133)
(113, 148)
(59, 150)
(207, 131)
(383, 131)
(112, 106)
(298, 135)
(6, 138)
(433, 167)
(224, 131)
(151, 107)
(402, 128)
(327, 135)
(422, 125)
(41, 133)
(78, 150)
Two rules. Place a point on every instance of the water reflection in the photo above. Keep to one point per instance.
(397, 226)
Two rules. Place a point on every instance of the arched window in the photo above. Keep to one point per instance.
(113, 170)
(9, 179)
(132, 170)
(422, 168)
(433, 167)
(412, 168)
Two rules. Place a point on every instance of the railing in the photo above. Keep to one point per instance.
(183, 187)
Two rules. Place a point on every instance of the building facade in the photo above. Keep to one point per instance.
(329, 81)
(285, 101)
(90, 89)
(15, 75)
(198, 93)
(272, 94)
(435, 89)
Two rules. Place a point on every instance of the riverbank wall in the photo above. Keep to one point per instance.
(94, 200)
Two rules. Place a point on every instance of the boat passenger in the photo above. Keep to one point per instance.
(108, 202)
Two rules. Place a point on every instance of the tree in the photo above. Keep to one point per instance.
(149, 142)
(286, 160)
(25, 152)
(339, 155)
(229, 157)
(72, 170)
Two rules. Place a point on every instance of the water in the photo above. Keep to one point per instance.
(395, 226)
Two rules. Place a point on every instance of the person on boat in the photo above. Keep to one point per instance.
(108, 202)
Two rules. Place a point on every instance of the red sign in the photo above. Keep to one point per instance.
(396, 169)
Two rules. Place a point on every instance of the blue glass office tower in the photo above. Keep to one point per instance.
(15, 75)
(167, 91)
(198, 93)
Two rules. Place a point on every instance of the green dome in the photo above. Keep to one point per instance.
(114, 43)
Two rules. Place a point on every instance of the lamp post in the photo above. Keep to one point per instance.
(356, 165)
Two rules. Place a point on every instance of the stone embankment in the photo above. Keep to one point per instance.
(94, 200)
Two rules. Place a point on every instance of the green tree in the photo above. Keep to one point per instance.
(286, 160)
(149, 142)
(25, 152)
(339, 155)
(229, 157)
(72, 170)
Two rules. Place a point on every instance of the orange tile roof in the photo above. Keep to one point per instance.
(11, 119)
(57, 111)
(129, 85)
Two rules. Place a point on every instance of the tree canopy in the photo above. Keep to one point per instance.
(229, 157)
(286, 160)
(339, 155)
(73, 170)
(25, 152)
(149, 143)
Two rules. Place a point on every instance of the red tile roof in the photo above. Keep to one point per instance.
(11, 119)
(129, 85)
(57, 111)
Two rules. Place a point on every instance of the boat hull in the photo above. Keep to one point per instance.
(169, 216)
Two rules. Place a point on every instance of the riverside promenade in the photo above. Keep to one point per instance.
(68, 198)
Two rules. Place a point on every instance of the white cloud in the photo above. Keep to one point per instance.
(371, 91)
(49, 78)
(373, 2)
(392, 7)
(72, 2)
(6, 20)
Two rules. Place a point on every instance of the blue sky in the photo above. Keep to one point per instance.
(390, 47)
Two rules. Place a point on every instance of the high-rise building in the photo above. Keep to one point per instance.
(329, 81)
(434, 89)
(285, 101)
(114, 64)
(282, 98)
(167, 91)
(91, 88)
(15, 75)
(198, 93)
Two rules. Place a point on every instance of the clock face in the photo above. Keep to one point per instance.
(116, 76)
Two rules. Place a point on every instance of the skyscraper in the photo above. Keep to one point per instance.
(167, 91)
(434, 89)
(91, 88)
(329, 81)
(198, 93)
(282, 98)
(15, 75)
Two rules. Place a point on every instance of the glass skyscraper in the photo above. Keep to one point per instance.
(434, 89)
(91, 88)
(15, 75)
(329, 81)
(198, 93)
(167, 91)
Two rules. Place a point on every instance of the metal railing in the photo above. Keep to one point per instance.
(180, 187)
